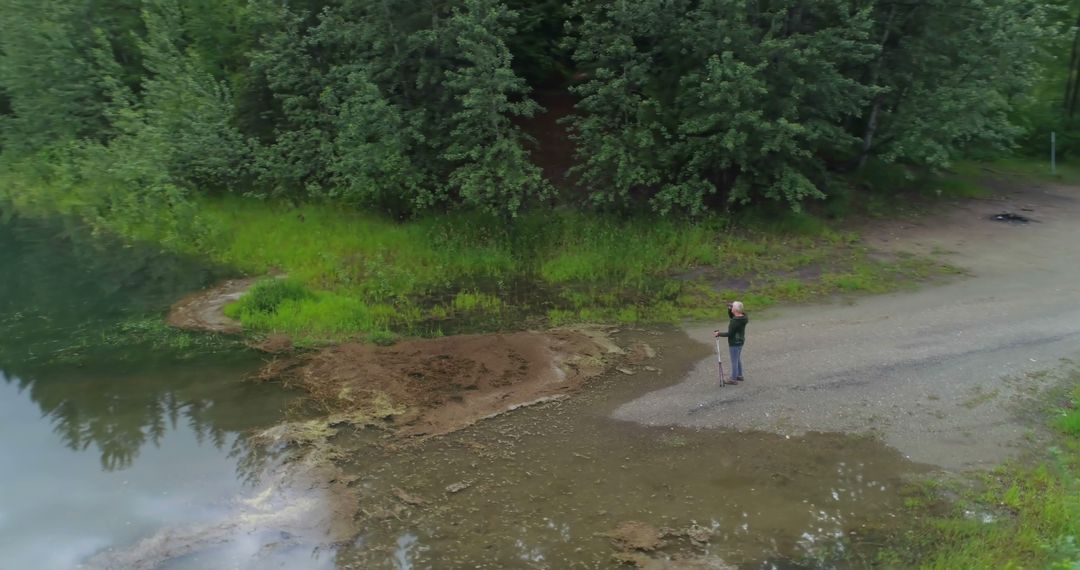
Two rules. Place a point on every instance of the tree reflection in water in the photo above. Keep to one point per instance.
(65, 299)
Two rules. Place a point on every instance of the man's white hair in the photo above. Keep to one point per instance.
(737, 306)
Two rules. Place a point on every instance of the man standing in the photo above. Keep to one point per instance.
(736, 337)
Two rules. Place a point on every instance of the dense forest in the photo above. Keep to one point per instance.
(677, 106)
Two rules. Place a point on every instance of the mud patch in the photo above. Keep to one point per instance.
(634, 535)
(639, 545)
(645, 562)
(640, 352)
(273, 344)
(435, 386)
(205, 310)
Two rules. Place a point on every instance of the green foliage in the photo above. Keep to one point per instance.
(399, 106)
(370, 161)
(934, 110)
(686, 99)
(353, 274)
(267, 296)
(539, 55)
(184, 113)
(417, 105)
(45, 76)
(689, 99)
(492, 169)
(140, 116)
(1050, 105)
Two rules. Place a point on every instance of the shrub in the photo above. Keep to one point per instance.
(267, 295)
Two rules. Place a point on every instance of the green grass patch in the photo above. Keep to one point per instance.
(477, 302)
(579, 248)
(1025, 514)
(267, 295)
(1069, 420)
(575, 270)
(957, 187)
(326, 247)
(285, 306)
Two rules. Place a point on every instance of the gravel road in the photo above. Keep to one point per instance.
(940, 373)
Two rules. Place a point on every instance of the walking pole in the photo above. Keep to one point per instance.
(720, 362)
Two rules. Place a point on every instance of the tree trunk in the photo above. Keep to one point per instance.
(872, 122)
(868, 136)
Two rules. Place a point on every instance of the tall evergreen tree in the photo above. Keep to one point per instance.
(411, 104)
(686, 99)
(491, 169)
(617, 131)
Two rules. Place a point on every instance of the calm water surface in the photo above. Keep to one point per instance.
(110, 428)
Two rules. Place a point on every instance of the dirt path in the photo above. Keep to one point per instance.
(937, 373)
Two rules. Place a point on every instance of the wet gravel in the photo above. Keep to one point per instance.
(938, 373)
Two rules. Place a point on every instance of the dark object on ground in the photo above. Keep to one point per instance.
(1010, 218)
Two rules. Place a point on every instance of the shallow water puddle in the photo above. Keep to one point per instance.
(535, 496)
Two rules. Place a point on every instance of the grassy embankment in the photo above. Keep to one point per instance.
(1022, 515)
(353, 274)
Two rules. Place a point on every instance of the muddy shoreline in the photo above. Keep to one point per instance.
(205, 310)
(431, 387)
(426, 387)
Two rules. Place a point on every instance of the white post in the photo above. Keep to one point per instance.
(1053, 153)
